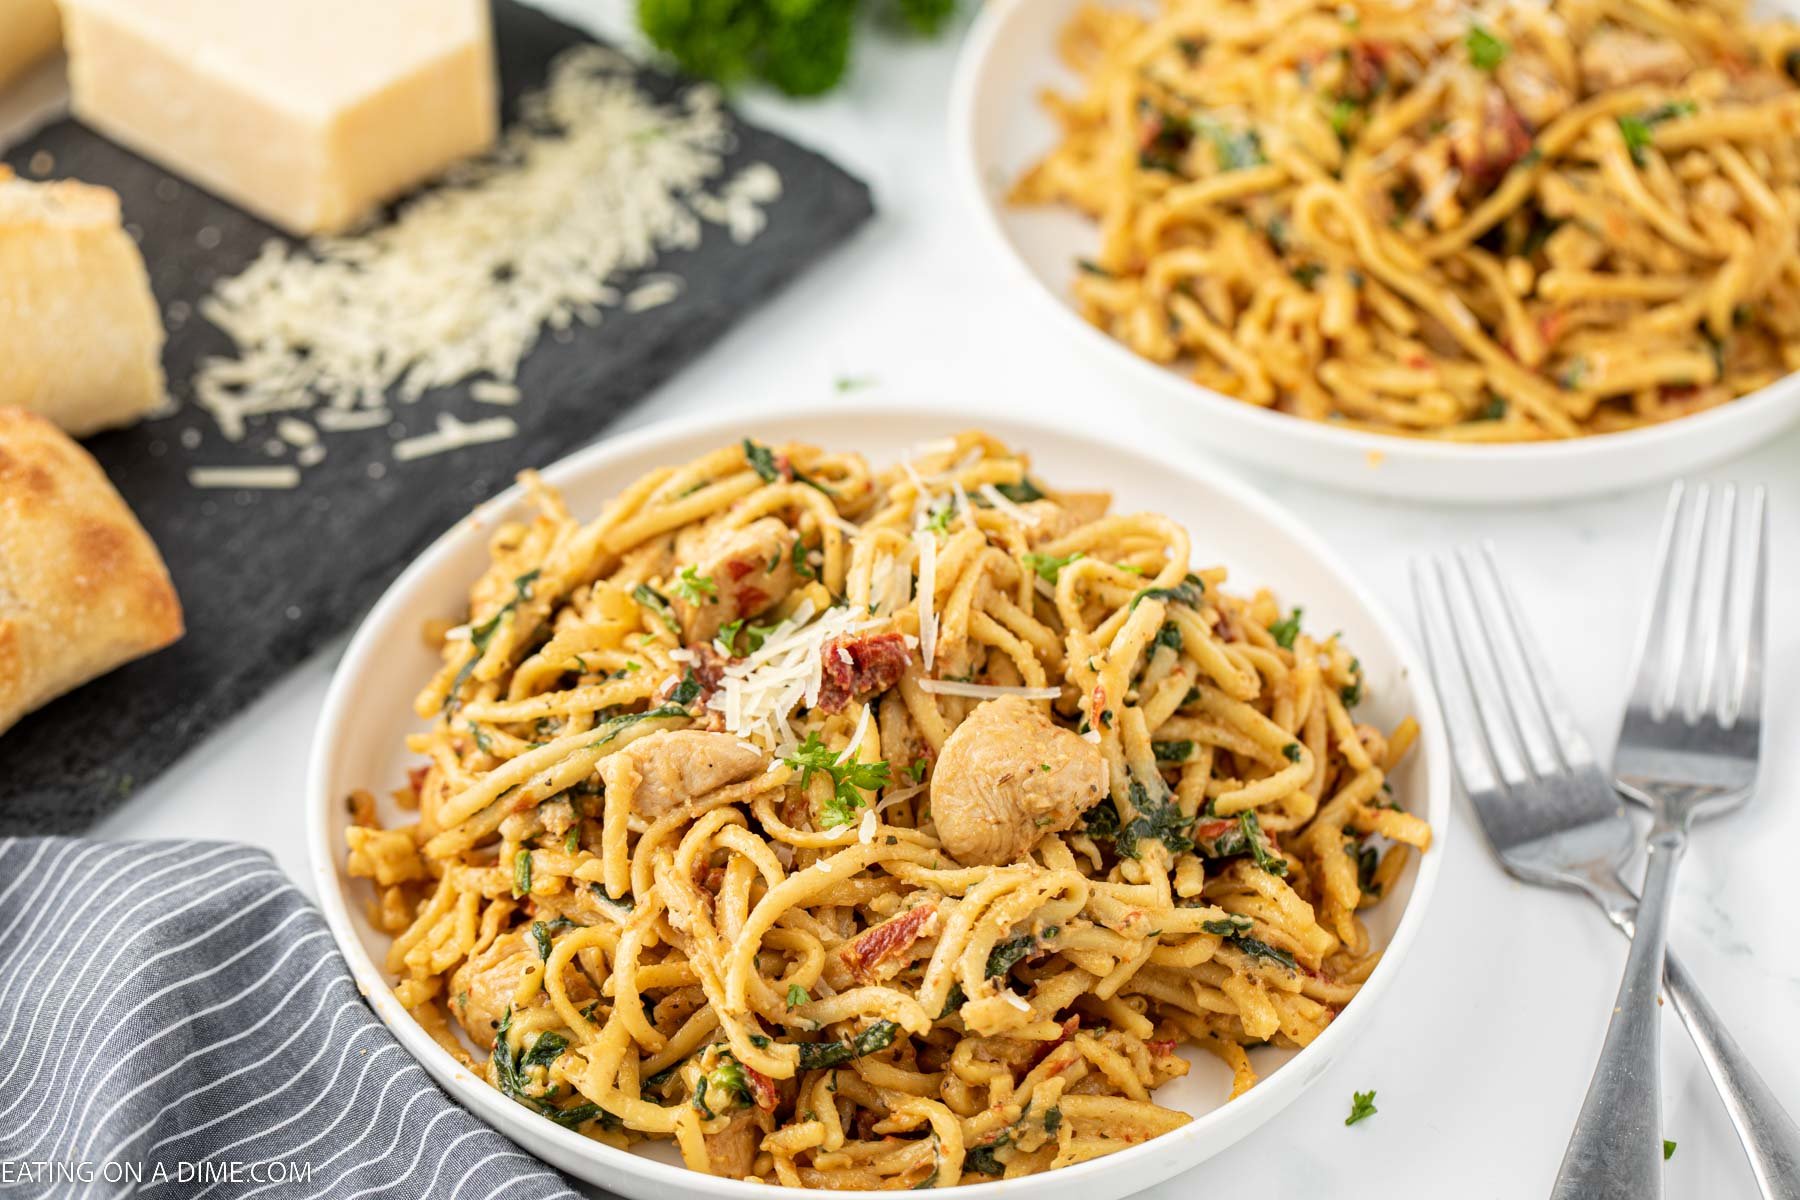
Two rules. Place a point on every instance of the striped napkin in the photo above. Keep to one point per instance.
(175, 1023)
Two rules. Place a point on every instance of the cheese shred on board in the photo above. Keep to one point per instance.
(590, 186)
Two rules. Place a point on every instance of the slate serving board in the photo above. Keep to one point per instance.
(267, 576)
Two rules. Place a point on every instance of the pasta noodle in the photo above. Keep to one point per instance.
(704, 851)
(1488, 223)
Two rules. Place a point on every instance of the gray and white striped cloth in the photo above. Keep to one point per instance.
(178, 1024)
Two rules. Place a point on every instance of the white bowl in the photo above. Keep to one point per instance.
(998, 128)
(369, 711)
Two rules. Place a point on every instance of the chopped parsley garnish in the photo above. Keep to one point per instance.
(1362, 1106)
(796, 995)
(1351, 693)
(848, 779)
(1049, 566)
(522, 873)
(696, 588)
(1286, 630)
(1093, 268)
(1486, 52)
(1291, 752)
(1668, 1146)
(916, 770)
(817, 1056)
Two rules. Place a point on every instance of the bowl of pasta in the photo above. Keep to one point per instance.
(1483, 253)
(864, 802)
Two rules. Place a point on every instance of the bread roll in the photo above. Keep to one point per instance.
(80, 338)
(82, 588)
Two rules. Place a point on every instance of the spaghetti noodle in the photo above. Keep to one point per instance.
(876, 830)
(1483, 223)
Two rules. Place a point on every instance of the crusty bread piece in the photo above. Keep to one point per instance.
(80, 337)
(29, 33)
(82, 588)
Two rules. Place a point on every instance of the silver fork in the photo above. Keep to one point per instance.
(1688, 749)
(1552, 819)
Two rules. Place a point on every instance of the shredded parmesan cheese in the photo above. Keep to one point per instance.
(998, 499)
(927, 542)
(244, 477)
(594, 182)
(452, 434)
(757, 695)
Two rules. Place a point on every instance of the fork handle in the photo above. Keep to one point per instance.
(1615, 1152)
(1769, 1135)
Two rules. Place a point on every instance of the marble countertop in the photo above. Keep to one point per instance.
(1483, 1049)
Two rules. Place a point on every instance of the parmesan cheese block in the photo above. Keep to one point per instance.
(308, 113)
(80, 339)
(29, 33)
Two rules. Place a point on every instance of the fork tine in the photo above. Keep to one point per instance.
(1571, 748)
(1650, 666)
(1721, 614)
(1469, 748)
(1498, 722)
(1492, 626)
(1744, 701)
(1695, 652)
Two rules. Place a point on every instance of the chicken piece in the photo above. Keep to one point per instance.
(732, 1152)
(740, 573)
(670, 768)
(1531, 85)
(1615, 58)
(1008, 776)
(1056, 519)
(481, 989)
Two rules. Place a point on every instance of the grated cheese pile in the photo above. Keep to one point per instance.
(593, 183)
(758, 694)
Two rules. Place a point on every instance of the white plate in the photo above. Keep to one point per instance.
(369, 710)
(998, 128)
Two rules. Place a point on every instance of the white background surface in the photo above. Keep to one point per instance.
(1484, 1048)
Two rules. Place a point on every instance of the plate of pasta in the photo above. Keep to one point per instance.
(863, 802)
(1468, 252)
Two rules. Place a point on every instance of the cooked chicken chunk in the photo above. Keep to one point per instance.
(1614, 58)
(732, 1152)
(670, 768)
(482, 988)
(1055, 520)
(739, 574)
(1007, 776)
